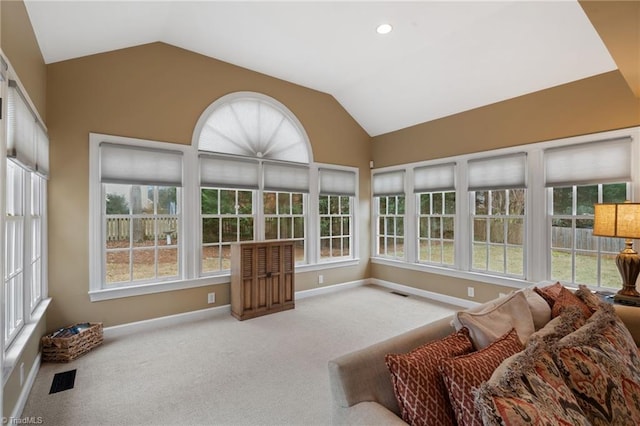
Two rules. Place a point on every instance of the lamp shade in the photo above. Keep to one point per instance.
(617, 220)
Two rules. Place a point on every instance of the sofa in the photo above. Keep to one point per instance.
(364, 389)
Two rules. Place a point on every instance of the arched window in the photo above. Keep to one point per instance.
(252, 125)
(254, 160)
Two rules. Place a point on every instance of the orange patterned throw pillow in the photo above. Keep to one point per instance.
(417, 383)
(565, 299)
(549, 293)
(463, 374)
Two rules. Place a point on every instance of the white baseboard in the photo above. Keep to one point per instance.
(155, 323)
(26, 389)
(330, 289)
(464, 303)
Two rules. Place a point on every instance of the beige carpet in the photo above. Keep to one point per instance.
(270, 370)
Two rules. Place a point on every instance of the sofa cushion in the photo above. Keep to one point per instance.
(600, 364)
(571, 319)
(417, 383)
(565, 299)
(540, 309)
(462, 374)
(528, 390)
(493, 322)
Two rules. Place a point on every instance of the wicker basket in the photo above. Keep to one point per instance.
(65, 349)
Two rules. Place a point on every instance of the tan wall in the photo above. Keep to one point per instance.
(158, 92)
(595, 104)
(19, 44)
(12, 388)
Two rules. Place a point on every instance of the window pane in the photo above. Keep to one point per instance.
(609, 274)
(299, 247)
(229, 229)
(346, 227)
(210, 230)
(562, 201)
(479, 256)
(117, 264)
(561, 233)
(448, 252)
(391, 208)
(436, 252)
(400, 226)
(117, 199)
(587, 196)
(168, 262)
(334, 205)
(481, 198)
(271, 228)
(325, 247)
(561, 266)
(297, 206)
(345, 205)
(336, 247)
(496, 230)
(614, 193)
(226, 257)
(346, 247)
(167, 200)
(447, 228)
(479, 230)
(117, 232)
(515, 260)
(286, 227)
(336, 226)
(586, 268)
(425, 204)
(209, 201)
(144, 264)
(211, 259)
(246, 229)
(298, 230)
(144, 234)
(269, 201)
(227, 202)
(141, 202)
(323, 204)
(498, 202)
(450, 203)
(516, 201)
(400, 247)
(424, 252)
(437, 203)
(382, 205)
(245, 202)
(496, 258)
(584, 235)
(515, 231)
(325, 227)
(424, 227)
(400, 204)
(284, 203)
(435, 227)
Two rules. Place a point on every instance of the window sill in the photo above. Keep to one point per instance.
(467, 275)
(150, 288)
(12, 356)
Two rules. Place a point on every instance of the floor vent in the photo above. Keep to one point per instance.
(63, 381)
(399, 294)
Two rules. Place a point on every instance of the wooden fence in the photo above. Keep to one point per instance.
(584, 240)
(119, 228)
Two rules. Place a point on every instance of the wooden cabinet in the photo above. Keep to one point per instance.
(262, 278)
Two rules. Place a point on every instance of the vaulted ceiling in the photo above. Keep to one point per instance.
(440, 59)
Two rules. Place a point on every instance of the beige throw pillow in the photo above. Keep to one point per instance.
(486, 326)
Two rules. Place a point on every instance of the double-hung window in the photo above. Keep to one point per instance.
(577, 177)
(141, 214)
(434, 187)
(335, 206)
(497, 187)
(227, 192)
(389, 205)
(27, 168)
(284, 204)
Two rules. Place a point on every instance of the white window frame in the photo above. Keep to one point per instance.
(537, 210)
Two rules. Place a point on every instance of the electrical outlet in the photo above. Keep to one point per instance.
(470, 292)
(211, 298)
(320, 279)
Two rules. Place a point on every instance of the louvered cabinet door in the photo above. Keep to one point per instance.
(262, 278)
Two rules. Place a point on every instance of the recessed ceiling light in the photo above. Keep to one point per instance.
(384, 29)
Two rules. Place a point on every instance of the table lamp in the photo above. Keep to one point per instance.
(622, 220)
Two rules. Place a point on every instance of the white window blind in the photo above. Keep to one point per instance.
(440, 177)
(337, 182)
(42, 152)
(21, 128)
(388, 183)
(502, 172)
(225, 172)
(286, 177)
(139, 165)
(601, 162)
